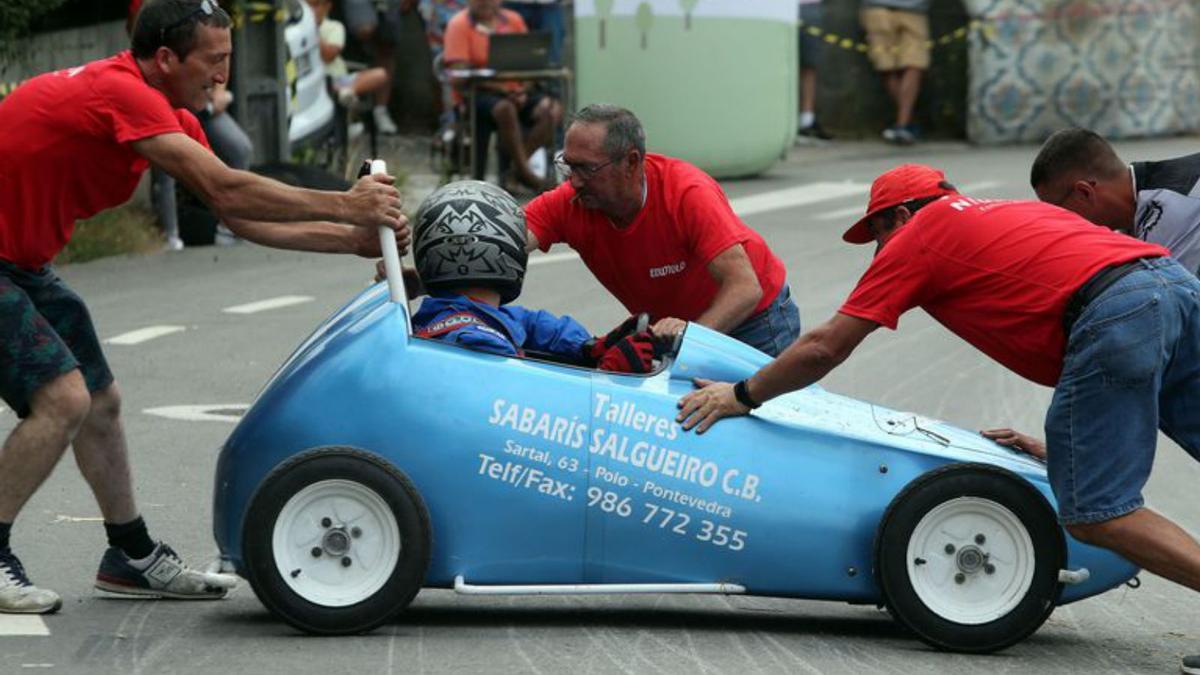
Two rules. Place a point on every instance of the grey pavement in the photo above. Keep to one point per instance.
(222, 359)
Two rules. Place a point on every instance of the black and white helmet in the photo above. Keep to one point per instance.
(471, 233)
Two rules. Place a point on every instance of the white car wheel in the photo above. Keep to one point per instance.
(970, 560)
(336, 543)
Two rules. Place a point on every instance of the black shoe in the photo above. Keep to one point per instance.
(814, 130)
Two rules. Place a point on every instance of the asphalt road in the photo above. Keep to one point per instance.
(221, 359)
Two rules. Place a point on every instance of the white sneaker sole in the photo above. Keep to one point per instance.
(118, 589)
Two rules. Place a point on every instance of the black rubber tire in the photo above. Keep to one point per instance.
(370, 471)
(985, 482)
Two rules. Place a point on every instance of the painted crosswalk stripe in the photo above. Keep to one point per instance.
(552, 258)
(800, 195)
(218, 412)
(268, 304)
(23, 624)
(141, 335)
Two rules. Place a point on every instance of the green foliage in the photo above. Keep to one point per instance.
(15, 19)
(124, 230)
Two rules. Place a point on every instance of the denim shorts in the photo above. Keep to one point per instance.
(773, 329)
(45, 331)
(1132, 367)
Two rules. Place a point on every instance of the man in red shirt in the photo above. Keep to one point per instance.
(73, 143)
(1111, 323)
(660, 235)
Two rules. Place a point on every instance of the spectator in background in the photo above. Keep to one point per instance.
(226, 138)
(376, 23)
(811, 47)
(543, 15)
(505, 105)
(898, 37)
(351, 86)
(437, 14)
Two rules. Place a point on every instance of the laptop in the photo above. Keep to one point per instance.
(519, 51)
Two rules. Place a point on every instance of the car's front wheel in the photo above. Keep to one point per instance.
(967, 557)
(336, 541)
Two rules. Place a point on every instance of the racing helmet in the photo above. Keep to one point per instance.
(471, 233)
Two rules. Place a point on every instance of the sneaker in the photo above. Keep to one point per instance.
(1190, 665)
(18, 595)
(174, 244)
(383, 122)
(224, 236)
(814, 131)
(354, 130)
(889, 134)
(161, 574)
(904, 136)
(347, 97)
(538, 164)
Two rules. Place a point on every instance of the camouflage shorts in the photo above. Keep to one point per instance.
(45, 331)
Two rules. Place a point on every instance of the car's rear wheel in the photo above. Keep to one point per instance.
(967, 557)
(336, 541)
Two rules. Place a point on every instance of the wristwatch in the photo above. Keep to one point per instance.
(742, 394)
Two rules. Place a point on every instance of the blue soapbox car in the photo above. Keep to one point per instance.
(375, 463)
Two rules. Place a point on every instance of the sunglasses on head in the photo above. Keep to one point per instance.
(206, 8)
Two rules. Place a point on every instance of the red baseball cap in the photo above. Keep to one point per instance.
(903, 183)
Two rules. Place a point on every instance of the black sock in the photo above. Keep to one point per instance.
(131, 537)
(5, 529)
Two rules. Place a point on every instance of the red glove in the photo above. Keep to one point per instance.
(631, 354)
(597, 347)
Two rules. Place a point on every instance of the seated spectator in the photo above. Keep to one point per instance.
(472, 272)
(351, 86)
(376, 24)
(506, 106)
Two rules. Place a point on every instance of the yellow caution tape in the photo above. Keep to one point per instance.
(851, 44)
(257, 12)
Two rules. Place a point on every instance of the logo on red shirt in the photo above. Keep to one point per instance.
(668, 270)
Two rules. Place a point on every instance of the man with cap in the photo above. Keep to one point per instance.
(1110, 323)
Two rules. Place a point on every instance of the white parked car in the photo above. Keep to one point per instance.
(310, 108)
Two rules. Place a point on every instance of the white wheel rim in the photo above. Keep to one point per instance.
(957, 584)
(340, 520)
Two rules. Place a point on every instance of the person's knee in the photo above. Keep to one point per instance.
(106, 404)
(64, 400)
(1104, 533)
(504, 111)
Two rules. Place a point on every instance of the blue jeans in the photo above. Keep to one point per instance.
(1132, 366)
(774, 328)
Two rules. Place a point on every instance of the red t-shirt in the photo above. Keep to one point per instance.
(65, 151)
(998, 274)
(659, 264)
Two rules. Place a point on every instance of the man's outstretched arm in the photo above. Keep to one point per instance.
(806, 361)
(373, 201)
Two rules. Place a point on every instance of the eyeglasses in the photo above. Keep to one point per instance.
(585, 171)
(206, 8)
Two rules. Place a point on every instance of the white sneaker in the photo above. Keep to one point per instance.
(355, 130)
(18, 595)
(538, 163)
(347, 97)
(383, 122)
(224, 236)
(174, 244)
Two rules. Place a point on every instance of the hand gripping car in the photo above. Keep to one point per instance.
(374, 464)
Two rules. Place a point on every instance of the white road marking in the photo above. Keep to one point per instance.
(37, 665)
(141, 335)
(852, 212)
(800, 195)
(270, 303)
(220, 412)
(552, 258)
(60, 518)
(23, 624)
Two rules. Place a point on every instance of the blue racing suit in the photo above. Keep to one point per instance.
(506, 330)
